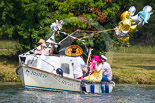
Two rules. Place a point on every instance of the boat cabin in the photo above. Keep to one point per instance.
(52, 63)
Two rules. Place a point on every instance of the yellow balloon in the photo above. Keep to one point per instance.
(125, 24)
(119, 27)
(133, 29)
(125, 15)
(124, 38)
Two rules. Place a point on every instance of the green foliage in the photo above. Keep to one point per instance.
(26, 21)
(99, 44)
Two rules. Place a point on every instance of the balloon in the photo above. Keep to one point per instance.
(125, 27)
(132, 10)
(135, 18)
(133, 29)
(125, 15)
(121, 33)
(129, 23)
(147, 8)
(144, 16)
(123, 38)
(125, 24)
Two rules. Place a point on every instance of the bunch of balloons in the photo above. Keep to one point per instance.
(57, 26)
(129, 23)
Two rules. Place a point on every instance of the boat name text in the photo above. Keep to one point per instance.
(36, 74)
(65, 82)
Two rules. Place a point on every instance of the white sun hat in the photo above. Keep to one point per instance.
(104, 57)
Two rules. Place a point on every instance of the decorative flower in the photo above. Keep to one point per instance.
(57, 26)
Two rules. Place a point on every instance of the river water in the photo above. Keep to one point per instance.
(122, 93)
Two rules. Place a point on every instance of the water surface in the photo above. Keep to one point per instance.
(122, 93)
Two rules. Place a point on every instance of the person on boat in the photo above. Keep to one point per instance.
(84, 67)
(106, 70)
(41, 49)
(79, 67)
(96, 66)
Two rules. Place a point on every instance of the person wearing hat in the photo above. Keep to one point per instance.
(106, 70)
(41, 49)
(96, 65)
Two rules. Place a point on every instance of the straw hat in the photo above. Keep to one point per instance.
(41, 41)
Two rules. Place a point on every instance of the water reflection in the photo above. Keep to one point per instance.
(122, 93)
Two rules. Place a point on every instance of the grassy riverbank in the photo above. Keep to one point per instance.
(8, 47)
(8, 69)
(132, 68)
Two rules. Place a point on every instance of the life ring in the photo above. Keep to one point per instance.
(74, 50)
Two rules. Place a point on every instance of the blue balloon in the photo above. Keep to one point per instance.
(144, 16)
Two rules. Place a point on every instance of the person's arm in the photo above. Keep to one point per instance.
(85, 70)
(36, 52)
(83, 65)
(104, 67)
(98, 67)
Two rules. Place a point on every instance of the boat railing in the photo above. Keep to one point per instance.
(37, 61)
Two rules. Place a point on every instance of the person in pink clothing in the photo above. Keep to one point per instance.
(41, 49)
(106, 70)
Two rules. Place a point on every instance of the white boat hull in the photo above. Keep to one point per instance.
(33, 78)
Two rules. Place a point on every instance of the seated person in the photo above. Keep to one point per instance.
(41, 49)
(78, 68)
(96, 65)
(106, 70)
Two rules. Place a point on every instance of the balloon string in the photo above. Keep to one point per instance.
(97, 31)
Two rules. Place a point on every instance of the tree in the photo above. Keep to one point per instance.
(27, 21)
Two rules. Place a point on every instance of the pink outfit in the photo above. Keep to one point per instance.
(92, 64)
(44, 51)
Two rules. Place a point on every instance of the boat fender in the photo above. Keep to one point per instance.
(102, 88)
(92, 87)
(106, 88)
(83, 87)
(59, 71)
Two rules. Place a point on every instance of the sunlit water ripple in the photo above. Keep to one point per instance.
(122, 93)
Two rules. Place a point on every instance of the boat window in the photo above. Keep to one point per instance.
(23, 59)
(65, 67)
(32, 62)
